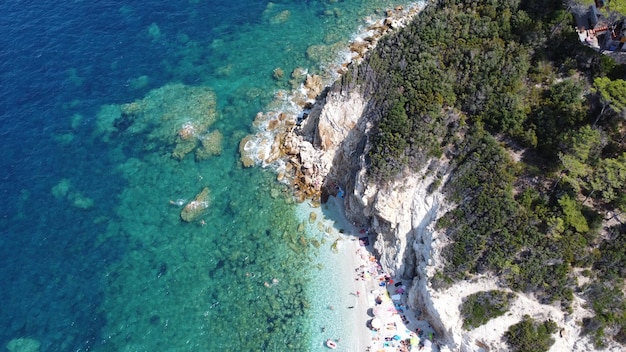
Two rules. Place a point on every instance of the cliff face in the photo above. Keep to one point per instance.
(402, 214)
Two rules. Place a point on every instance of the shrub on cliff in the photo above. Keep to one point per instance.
(530, 335)
(480, 307)
(391, 144)
(607, 301)
(487, 226)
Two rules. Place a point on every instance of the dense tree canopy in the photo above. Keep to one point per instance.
(612, 92)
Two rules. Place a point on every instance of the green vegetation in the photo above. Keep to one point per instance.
(529, 335)
(605, 294)
(614, 7)
(607, 301)
(478, 308)
(465, 79)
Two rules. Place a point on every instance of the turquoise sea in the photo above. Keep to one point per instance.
(114, 116)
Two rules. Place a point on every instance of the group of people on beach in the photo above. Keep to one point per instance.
(364, 273)
(391, 330)
(388, 325)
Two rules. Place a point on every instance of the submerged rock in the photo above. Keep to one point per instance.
(175, 115)
(184, 147)
(281, 17)
(23, 344)
(63, 191)
(278, 74)
(210, 145)
(194, 209)
(59, 191)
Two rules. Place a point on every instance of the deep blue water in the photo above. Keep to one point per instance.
(50, 264)
(92, 254)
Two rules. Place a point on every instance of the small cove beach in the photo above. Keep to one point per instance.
(354, 304)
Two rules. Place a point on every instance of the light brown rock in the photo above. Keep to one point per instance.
(314, 85)
(194, 209)
(245, 157)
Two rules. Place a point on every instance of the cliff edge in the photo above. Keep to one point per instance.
(402, 213)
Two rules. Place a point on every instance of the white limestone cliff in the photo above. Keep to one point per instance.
(403, 215)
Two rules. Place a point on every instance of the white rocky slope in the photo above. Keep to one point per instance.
(403, 215)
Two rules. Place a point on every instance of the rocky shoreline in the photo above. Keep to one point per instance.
(319, 148)
(300, 136)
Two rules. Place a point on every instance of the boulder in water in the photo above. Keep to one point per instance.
(194, 209)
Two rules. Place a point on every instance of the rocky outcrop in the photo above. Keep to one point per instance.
(333, 142)
(403, 215)
(328, 140)
(273, 139)
(314, 85)
(196, 208)
(326, 150)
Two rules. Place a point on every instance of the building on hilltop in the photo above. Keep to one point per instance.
(615, 36)
(597, 30)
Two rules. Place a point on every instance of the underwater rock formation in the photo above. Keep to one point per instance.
(23, 344)
(278, 74)
(281, 17)
(210, 145)
(63, 191)
(175, 115)
(194, 209)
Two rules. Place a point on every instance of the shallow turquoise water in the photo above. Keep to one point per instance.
(99, 166)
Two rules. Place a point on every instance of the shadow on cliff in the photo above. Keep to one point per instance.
(349, 161)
